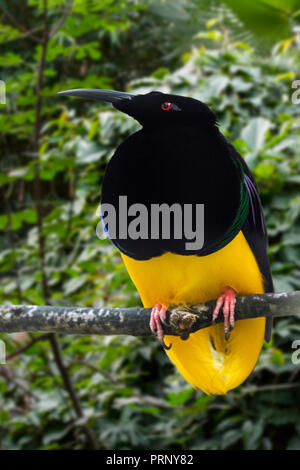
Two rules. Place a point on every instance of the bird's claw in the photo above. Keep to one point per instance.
(227, 300)
(159, 316)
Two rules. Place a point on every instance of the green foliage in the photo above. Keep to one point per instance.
(261, 23)
(131, 395)
(269, 19)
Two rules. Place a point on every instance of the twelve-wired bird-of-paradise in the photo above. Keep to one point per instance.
(180, 156)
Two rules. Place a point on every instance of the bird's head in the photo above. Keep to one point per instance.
(154, 108)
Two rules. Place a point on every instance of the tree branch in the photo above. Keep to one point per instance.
(182, 320)
(41, 240)
(61, 21)
(36, 145)
(19, 27)
(27, 346)
(70, 389)
(8, 375)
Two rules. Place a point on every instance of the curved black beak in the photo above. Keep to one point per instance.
(99, 95)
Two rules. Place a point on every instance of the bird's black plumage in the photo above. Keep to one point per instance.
(176, 158)
(168, 166)
(180, 156)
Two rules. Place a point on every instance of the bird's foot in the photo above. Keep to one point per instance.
(227, 300)
(159, 316)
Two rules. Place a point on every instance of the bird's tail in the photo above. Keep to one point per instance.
(213, 364)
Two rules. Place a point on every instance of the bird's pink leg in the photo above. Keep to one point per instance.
(228, 300)
(159, 316)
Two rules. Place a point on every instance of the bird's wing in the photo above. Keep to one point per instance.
(254, 230)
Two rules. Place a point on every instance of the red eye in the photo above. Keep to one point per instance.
(166, 106)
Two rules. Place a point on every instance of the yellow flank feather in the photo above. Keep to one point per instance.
(206, 360)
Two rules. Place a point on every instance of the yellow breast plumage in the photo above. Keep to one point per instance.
(206, 359)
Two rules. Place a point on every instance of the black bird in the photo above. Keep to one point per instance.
(178, 163)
